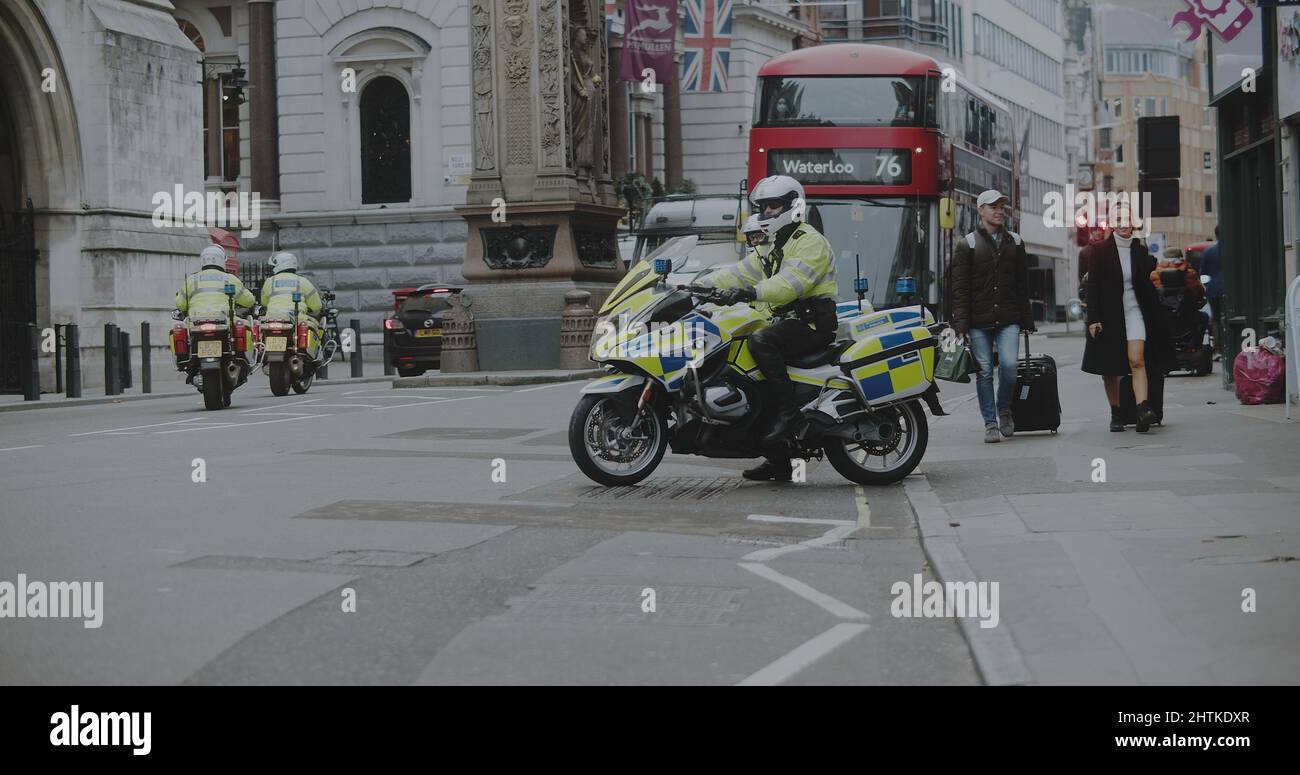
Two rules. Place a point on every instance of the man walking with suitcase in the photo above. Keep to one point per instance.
(990, 303)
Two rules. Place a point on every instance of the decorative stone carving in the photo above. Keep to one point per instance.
(596, 249)
(459, 341)
(584, 81)
(518, 246)
(550, 66)
(484, 131)
(517, 43)
(576, 325)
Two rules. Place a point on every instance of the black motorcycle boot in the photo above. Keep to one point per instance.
(774, 470)
(788, 418)
(1116, 420)
(1146, 417)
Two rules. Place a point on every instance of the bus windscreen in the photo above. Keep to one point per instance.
(838, 101)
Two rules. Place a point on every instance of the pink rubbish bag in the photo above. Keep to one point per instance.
(1260, 376)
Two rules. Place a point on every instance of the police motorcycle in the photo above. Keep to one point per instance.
(681, 377)
(293, 352)
(214, 351)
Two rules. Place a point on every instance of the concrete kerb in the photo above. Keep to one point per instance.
(494, 378)
(53, 401)
(997, 658)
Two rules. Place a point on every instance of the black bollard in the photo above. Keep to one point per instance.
(356, 345)
(388, 362)
(74, 360)
(146, 368)
(110, 366)
(58, 357)
(124, 360)
(32, 388)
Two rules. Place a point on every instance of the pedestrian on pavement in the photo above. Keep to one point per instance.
(990, 304)
(1126, 332)
(1211, 264)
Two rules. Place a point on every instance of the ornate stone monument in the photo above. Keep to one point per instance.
(541, 205)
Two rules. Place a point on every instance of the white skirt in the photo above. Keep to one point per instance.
(1135, 328)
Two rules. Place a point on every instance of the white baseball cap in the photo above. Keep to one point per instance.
(989, 197)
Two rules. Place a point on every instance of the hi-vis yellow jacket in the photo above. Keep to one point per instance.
(204, 293)
(804, 269)
(277, 296)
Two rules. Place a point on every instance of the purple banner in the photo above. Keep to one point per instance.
(649, 40)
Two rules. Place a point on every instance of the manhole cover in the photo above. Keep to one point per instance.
(622, 604)
(680, 488)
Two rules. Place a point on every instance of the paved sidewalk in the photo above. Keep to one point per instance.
(1137, 579)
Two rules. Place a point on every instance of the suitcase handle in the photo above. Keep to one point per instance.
(1025, 334)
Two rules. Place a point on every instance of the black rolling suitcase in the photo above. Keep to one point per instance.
(1036, 405)
(1155, 394)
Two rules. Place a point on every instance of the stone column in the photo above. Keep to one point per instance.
(673, 131)
(263, 114)
(618, 115)
(541, 211)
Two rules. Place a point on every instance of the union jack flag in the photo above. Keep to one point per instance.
(707, 47)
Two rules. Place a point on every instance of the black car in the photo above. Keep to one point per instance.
(413, 334)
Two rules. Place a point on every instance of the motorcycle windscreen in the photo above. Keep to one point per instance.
(642, 274)
(892, 366)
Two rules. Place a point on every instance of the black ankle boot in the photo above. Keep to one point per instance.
(1146, 417)
(786, 423)
(1116, 420)
(770, 470)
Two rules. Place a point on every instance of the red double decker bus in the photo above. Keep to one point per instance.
(880, 137)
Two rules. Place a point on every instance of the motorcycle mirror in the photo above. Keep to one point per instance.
(176, 315)
(230, 289)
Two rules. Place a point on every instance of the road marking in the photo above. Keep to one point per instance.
(864, 509)
(825, 601)
(240, 424)
(804, 655)
(544, 387)
(830, 537)
(352, 406)
(773, 518)
(412, 390)
(138, 427)
(423, 403)
(15, 449)
(282, 405)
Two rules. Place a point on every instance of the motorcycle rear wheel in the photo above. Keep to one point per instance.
(214, 392)
(301, 386)
(853, 460)
(279, 379)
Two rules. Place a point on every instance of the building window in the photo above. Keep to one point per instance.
(1108, 183)
(220, 116)
(1105, 138)
(1208, 161)
(1151, 107)
(1119, 108)
(1209, 203)
(1119, 154)
(385, 142)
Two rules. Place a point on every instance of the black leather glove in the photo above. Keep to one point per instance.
(735, 295)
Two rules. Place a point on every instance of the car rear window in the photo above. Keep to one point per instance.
(426, 303)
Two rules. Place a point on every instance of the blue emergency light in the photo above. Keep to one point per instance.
(230, 289)
(297, 296)
(860, 285)
(905, 285)
(663, 265)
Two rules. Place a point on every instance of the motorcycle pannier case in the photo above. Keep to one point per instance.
(892, 366)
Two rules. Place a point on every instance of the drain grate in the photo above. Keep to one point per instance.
(621, 604)
(680, 488)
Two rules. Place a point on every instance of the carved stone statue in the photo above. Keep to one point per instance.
(584, 81)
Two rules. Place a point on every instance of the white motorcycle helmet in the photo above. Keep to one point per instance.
(751, 227)
(784, 188)
(284, 261)
(213, 255)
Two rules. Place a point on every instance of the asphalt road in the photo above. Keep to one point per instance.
(388, 498)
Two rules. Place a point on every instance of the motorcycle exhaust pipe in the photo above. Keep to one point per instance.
(232, 371)
(295, 365)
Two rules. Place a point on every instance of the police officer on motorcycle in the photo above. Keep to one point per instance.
(795, 280)
(278, 290)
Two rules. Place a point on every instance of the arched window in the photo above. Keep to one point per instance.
(385, 142)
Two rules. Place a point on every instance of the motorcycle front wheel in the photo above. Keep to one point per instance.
(608, 450)
(880, 463)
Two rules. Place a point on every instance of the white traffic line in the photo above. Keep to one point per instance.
(804, 520)
(347, 406)
(432, 401)
(821, 599)
(573, 383)
(15, 449)
(828, 538)
(864, 509)
(413, 390)
(281, 405)
(804, 655)
(241, 424)
(138, 427)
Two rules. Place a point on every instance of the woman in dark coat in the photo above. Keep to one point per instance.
(1126, 332)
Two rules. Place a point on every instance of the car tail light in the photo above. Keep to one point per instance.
(302, 336)
(180, 340)
(392, 324)
(241, 331)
